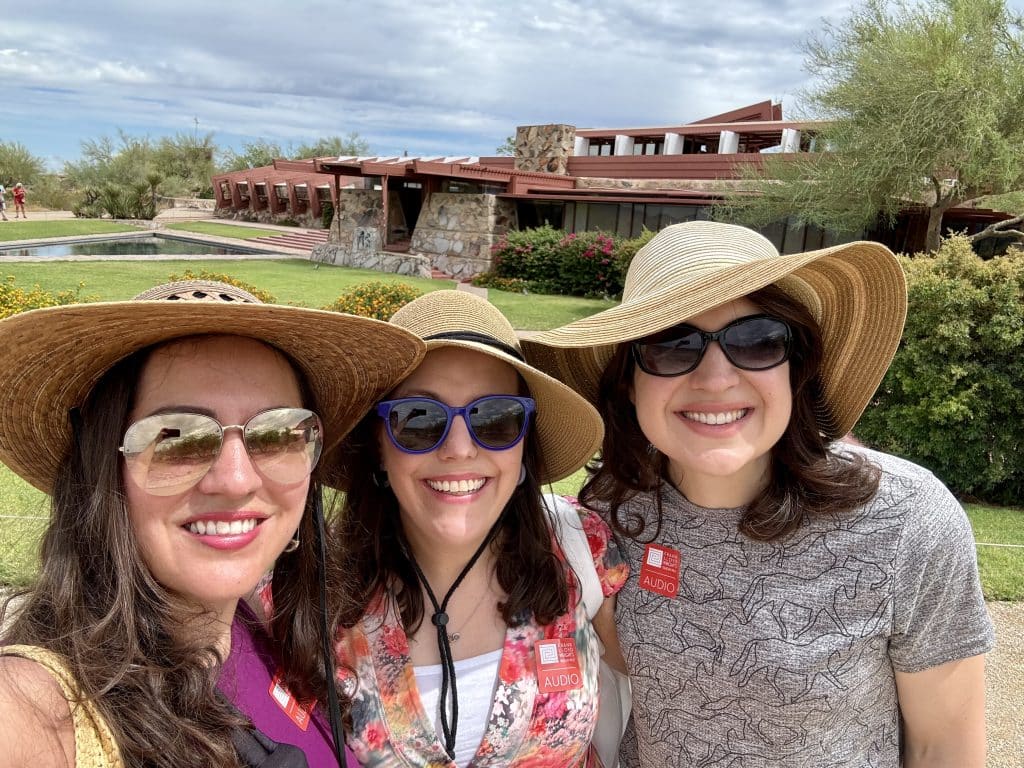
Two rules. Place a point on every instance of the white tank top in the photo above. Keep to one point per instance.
(477, 678)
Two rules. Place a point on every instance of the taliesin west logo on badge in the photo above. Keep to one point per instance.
(558, 669)
(659, 572)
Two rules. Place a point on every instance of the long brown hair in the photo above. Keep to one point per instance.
(805, 477)
(96, 604)
(369, 551)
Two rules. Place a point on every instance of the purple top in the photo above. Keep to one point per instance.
(246, 678)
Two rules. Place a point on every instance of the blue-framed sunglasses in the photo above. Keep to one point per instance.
(421, 424)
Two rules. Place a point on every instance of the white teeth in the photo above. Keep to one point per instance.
(715, 419)
(221, 527)
(457, 486)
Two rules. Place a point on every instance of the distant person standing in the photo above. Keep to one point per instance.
(19, 200)
(3, 202)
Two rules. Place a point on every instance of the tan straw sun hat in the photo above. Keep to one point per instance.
(50, 359)
(568, 428)
(856, 292)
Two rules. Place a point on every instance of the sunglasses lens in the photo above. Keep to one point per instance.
(497, 422)
(672, 356)
(757, 343)
(284, 443)
(417, 425)
(170, 452)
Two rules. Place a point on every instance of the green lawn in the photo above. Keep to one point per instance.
(28, 230)
(292, 281)
(224, 230)
(1002, 568)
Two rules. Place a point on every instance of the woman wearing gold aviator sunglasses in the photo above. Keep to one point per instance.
(180, 436)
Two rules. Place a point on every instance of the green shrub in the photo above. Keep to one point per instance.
(15, 299)
(264, 296)
(327, 215)
(952, 398)
(587, 265)
(530, 255)
(375, 299)
(510, 284)
(547, 260)
(627, 249)
(127, 201)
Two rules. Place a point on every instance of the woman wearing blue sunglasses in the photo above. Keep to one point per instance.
(180, 435)
(794, 600)
(460, 619)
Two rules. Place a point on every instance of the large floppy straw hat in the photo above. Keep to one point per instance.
(50, 359)
(856, 292)
(567, 427)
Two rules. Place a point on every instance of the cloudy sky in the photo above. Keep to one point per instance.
(423, 76)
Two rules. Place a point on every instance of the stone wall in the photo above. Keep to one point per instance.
(544, 148)
(456, 231)
(382, 261)
(266, 216)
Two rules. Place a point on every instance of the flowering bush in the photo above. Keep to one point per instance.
(530, 255)
(547, 260)
(375, 299)
(588, 265)
(264, 296)
(15, 299)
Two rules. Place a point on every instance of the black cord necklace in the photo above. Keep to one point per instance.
(444, 646)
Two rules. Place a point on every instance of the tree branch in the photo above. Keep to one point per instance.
(1000, 228)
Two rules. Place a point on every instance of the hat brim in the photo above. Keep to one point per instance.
(568, 428)
(50, 359)
(859, 297)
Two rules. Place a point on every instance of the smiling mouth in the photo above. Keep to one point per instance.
(457, 487)
(222, 527)
(715, 419)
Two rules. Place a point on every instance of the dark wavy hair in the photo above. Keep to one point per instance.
(369, 549)
(96, 604)
(805, 477)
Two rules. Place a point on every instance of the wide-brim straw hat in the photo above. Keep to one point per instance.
(856, 291)
(50, 359)
(567, 427)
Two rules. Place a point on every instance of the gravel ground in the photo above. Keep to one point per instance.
(1004, 702)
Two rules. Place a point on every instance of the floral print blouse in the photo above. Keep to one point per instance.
(524, 727)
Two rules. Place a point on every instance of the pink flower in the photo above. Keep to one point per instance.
(373, 735)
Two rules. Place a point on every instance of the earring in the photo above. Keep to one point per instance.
(522, 474)
(380, 479)
(651, 450)
(293, 544)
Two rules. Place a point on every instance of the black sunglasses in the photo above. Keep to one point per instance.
(754, 343)
(420, 424)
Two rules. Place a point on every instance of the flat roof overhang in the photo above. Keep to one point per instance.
(665, 197)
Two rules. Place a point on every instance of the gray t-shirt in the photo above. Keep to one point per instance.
(782, 654)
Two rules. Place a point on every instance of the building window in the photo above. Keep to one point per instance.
(601, 147)
(460, 187)
(651, 146)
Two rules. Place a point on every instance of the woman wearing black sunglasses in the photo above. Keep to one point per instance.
(179, 435)
(794, 600)
(465, 630)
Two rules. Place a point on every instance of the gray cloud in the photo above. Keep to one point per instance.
(430, 77)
